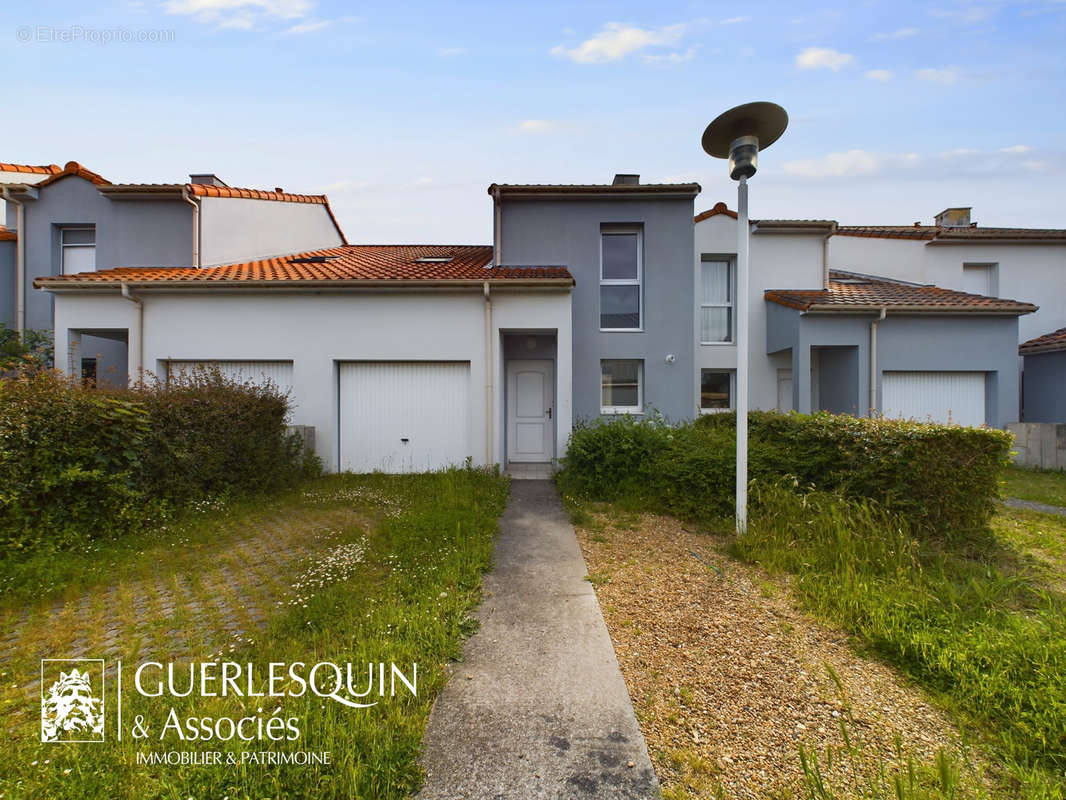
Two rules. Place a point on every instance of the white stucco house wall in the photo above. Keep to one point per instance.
(402, 358)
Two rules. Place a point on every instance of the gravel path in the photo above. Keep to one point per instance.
(729, 679)
(1032, 505)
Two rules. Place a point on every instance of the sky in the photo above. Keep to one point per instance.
(404, 112)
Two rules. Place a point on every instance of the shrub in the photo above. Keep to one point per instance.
(79, 463)
(943, 479)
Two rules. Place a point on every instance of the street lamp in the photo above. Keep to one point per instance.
(738, 134)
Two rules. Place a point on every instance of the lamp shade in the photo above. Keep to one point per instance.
(765, 121)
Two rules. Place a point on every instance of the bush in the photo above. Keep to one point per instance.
(943, 479)
(78, 463)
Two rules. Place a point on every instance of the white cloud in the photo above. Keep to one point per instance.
(879, 75)
(239, 14)
(617, 41)
(967, 13)
(945, 76)
(671, 58)
(449, 52)
(1036, 166)
(734, 20)
(823, 58)
(537, 126)
(849, 163)
(309, 26)
(1016, 148)
(901, 33)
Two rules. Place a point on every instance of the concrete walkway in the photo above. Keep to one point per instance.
(1032, 505)
(538, 707)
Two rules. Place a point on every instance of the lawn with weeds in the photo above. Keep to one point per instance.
(980, 622)
(390, 573)
(1038, 485)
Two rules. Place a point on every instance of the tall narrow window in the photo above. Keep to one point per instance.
(621, 382)
(716, 300)
(981, 279)
(77, 248)
(621, 272)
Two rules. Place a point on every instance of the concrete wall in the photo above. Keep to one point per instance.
(1044, 387)
(233, 230)
(1039, 444)
(567, 232)
(838, 380)
(322, 329)
(777, 261)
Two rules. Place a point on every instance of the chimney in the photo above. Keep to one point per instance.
(625, 179)
(954, 218)
(207, 178)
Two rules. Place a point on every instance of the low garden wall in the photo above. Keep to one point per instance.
(1039, 444)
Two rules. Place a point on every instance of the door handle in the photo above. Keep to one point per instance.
(549, 412)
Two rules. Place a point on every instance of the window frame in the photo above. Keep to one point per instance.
(731, 266)
(732, 375)
(991, 269)
(618, 410)
(64, 246)
(614, 230)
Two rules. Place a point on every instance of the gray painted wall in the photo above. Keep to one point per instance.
(1044, 387)
(567, 232)
(7, 284)
(905, 342)
(128, 234)
(838, 380)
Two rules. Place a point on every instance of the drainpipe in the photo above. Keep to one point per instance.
(489, 410)
(497, 228)
(139, 325)
(873, 359)
(20, 262)
(195, 225)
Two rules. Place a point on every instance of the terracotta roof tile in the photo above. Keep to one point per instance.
(596, 188)
(941, 233)
(74, 168)
(8, 236)
(209, 190)
(1049, 342)
(719, 208)
(48, 169)
(851, 291)
(350, 263)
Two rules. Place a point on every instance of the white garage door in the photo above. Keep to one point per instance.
(277, 372)
(404, 416)
(955, 397)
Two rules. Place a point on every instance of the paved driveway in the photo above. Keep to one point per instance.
(538, 707)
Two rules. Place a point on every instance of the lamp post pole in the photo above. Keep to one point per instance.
(742, 355)
(738, 135)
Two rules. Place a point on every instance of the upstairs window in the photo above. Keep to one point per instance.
(716, 300)
(621, 273)
(981, 279)
(77, 249)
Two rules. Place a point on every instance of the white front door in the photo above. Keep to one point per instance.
(530, 402)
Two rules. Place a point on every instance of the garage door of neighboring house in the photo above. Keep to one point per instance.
(957, 397)
(408, 416)
(277, 372)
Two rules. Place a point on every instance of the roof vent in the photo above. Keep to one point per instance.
(279, 190)
(954, 218)
(433, 259)
(207, 178)
(625, 179)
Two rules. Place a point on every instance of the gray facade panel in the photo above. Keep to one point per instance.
(1044, 387)
(128, 234)
(838, 380)
(567, 232)
(7, 284)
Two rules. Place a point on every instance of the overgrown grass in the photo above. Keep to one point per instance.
(971, 622)
(1038, 485)
(407, 602)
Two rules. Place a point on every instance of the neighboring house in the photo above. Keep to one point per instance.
(73, 220)
(1026, 264)
(1044, 378)
(847, 342)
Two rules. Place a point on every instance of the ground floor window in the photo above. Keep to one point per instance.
(716, 390)
(622, 382)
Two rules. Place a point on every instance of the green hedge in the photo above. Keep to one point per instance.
(944, 479)
(78, 463)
